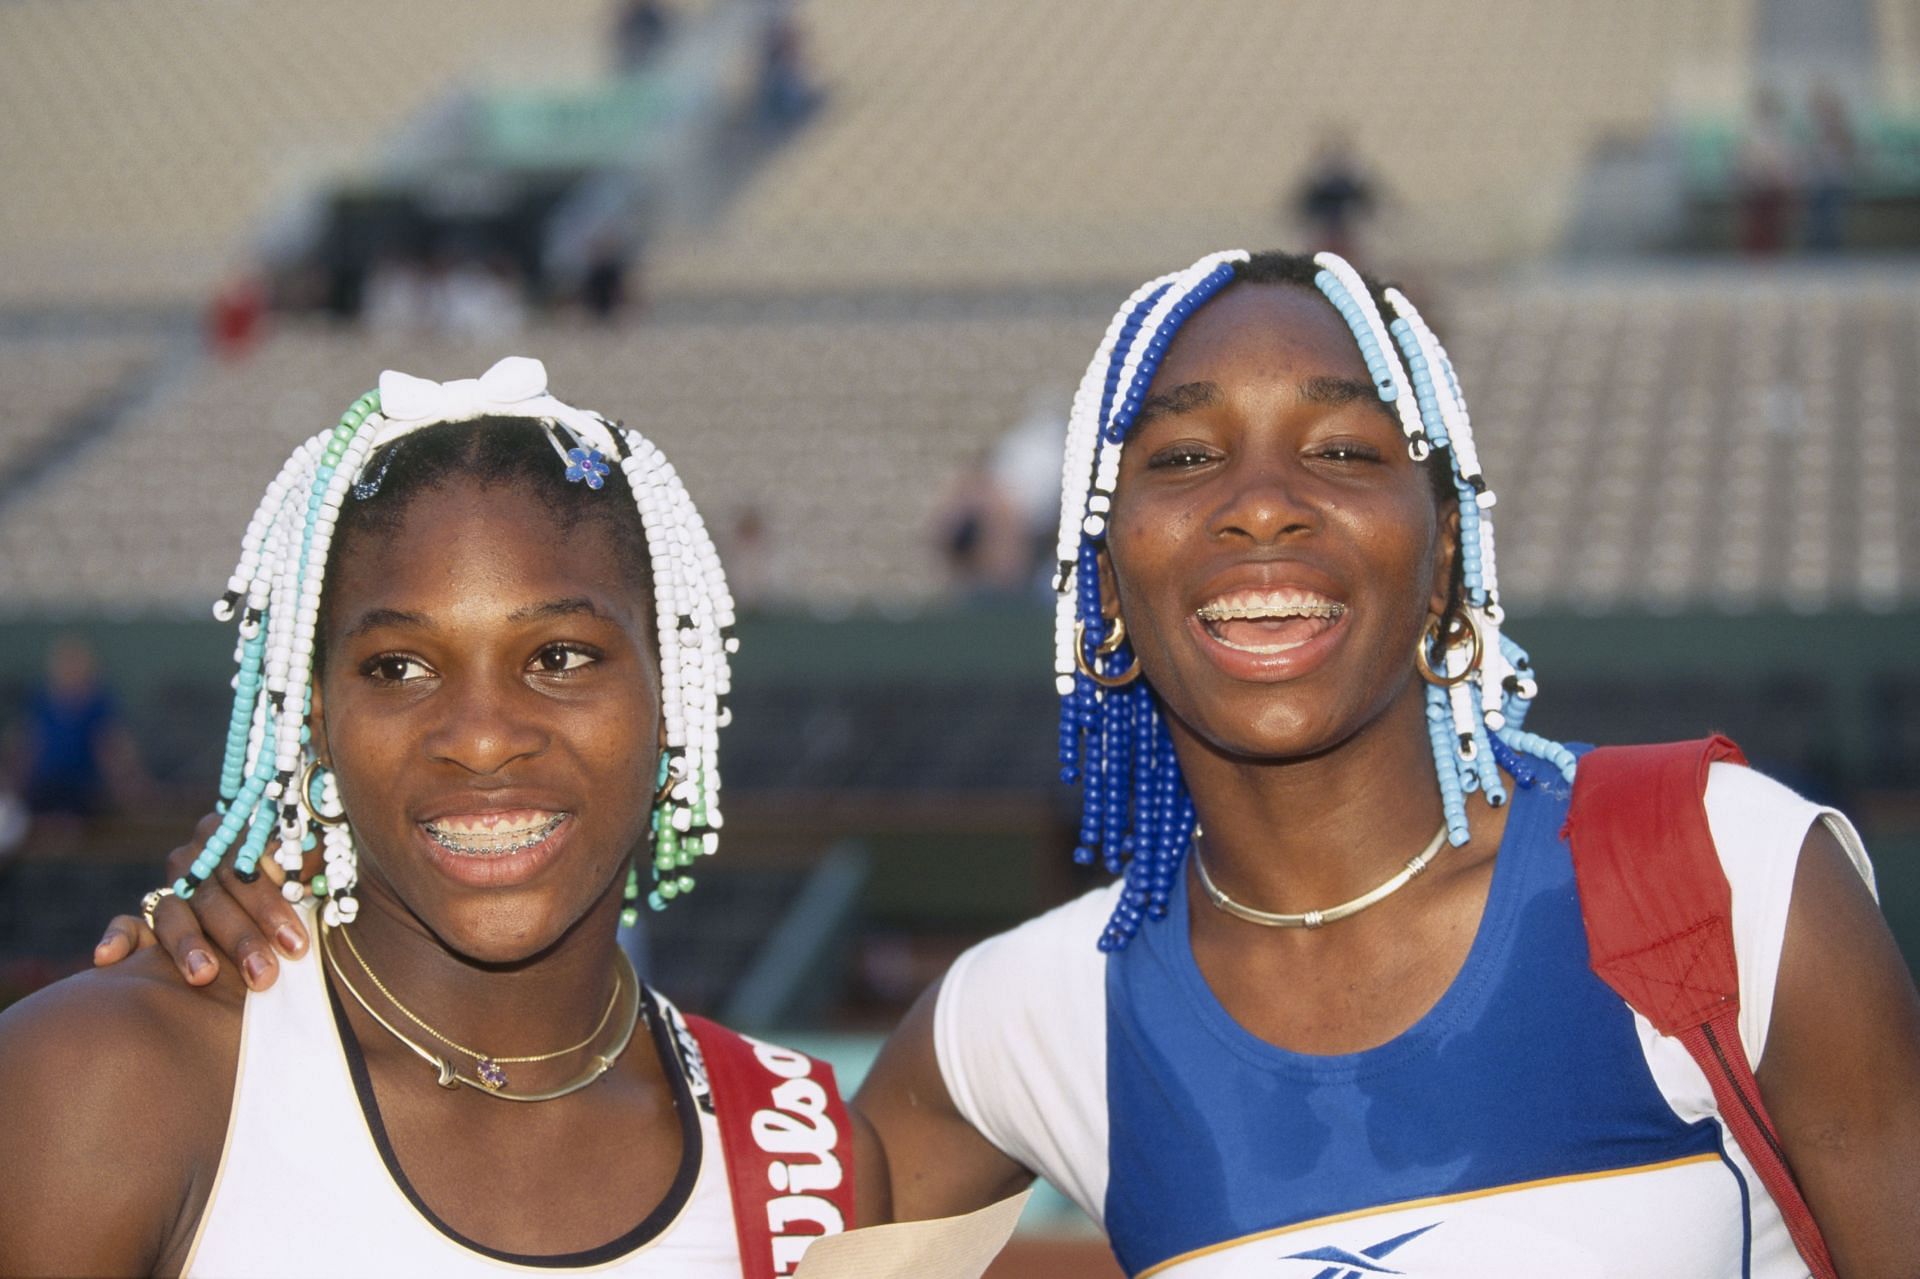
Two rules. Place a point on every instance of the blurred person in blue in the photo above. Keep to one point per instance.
(1369, 993)
(75, 757)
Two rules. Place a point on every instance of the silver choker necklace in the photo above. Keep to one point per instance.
(1313, 918)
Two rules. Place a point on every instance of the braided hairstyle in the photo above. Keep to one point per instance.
(1136, 815)
(359, 476)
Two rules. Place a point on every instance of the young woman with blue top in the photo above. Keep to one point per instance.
(1338, 1017)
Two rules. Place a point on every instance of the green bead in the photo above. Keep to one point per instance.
(684, 884)
(629, 917)
(669, 889)
(319, 885)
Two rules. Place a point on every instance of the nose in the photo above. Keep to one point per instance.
(1265, 500)
(486, 724)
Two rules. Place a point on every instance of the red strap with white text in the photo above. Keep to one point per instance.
(788, 1143)
(1659, 916)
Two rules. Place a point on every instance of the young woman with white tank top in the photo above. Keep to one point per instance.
(491, 711)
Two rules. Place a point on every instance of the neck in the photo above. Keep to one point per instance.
(546, 1001)
(1309, 833)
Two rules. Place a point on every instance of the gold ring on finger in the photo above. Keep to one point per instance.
(152, 900)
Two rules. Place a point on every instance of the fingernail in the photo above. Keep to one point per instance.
(289, 940)
(102, 943)
(197, 962)
(255, 967)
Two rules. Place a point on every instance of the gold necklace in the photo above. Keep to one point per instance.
(492, 1082)
(488, 1065)
(1313, 918)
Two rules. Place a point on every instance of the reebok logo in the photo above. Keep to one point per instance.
(1358, 1265)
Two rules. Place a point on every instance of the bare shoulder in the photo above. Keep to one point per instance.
(1841, 1074)
(133, 1027)
(123, 1073)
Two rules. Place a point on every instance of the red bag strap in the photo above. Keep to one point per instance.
(1659, 917)
(788, 1144)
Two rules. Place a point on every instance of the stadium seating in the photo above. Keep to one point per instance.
(51, 381)
(1000, 141)
(1667, 439)
(159, 137)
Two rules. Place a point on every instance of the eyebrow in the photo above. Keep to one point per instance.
(374, 619)
(1184, 398)
(1335, 390)
(576, 606)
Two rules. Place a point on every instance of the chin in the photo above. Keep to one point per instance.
(1275, 727)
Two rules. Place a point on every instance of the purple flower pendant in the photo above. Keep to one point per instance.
(490, 1073)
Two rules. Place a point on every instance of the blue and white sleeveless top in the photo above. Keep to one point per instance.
(1529, 1124)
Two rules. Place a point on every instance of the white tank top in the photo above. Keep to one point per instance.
(304, 1139)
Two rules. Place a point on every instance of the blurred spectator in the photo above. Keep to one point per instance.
(747, 552)
(981, 536)
(604, 286)
(641, 28)
(236, 316)
(787, 92)
(399, 297)
(1335, 197)
(1025, 464)
(75, 757)
(481, 299)
(1764, 175)
(1832, 157)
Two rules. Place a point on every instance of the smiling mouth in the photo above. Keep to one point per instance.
(1268, 622)
(492, 834)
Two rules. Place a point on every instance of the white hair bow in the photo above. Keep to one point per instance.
(514, 387)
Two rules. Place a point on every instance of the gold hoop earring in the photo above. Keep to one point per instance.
(306, 797)
(666, 780)
(1115, 638)
(1107, 648)
(1423, 661)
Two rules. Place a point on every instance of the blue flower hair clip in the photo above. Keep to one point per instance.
(587, 464)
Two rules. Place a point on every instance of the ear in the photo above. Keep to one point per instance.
(1446, 553)
(1109, 583)
(317, 726)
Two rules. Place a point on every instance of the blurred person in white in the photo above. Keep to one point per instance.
(1340, 1014)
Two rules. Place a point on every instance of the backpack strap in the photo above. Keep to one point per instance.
(1659, 916)
(788, 1144)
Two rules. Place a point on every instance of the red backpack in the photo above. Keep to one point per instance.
(1659, 918)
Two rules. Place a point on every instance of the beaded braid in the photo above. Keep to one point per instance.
(1137, 817)
(275, 594)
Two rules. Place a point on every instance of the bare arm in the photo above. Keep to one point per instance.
(939, 1164)
(113, 1102)
(1841, 1071)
